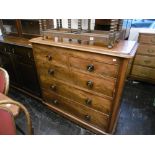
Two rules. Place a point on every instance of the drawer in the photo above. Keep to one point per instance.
(147, 38)
(144, 72)
(147, 61)
(104, 85)
(48, 72)
(80, 96)
(50, 55)
(80, 111)
(91, 66)
(147, 49)
(95, 57)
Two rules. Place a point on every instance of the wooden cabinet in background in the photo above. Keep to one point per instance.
(16, 57)
(83, 82)
(143, 67)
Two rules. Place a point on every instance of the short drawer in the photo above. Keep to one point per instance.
(147, 61)
(47, 72)
(50, 55)
(146, 49)
(94, 57)
(80, 111)
(91, 66)
(147, 38)
(88, 99)
(144, 72)
(104, 85)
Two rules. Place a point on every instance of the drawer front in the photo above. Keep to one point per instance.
(91, 66)
(50, 55)
(144, 72)
(144, 60)
(82, 112)
(95, 57)
(101, 85)
(48, 72)
(145, 38)
(82, 97)
(147, 49)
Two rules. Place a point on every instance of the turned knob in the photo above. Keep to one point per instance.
(88, 101)
(55, 102)
(90, 67)
(90, 84)
(49, 57)
(87, 117)
(51, 71)
(53, 87)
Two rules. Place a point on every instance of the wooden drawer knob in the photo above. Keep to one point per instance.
(87, 117)
(88, 101)
(49, 57)
(51, 71)
(90, 84)
(90, 67)
(56, 102)
(53, 87)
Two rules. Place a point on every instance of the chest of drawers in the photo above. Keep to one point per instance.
(83, 82)
(144, 61)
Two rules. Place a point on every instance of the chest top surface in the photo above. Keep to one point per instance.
(125, 49)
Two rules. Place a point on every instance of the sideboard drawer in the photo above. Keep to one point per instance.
(145, 61)
(91, 66)
(146, 50)
(144, 72)
(104, 86)
(80, 111)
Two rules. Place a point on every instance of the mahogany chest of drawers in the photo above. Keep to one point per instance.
(84, 83)
(143, 67)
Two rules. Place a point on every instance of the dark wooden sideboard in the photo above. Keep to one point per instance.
(83, 82)
(16, 57)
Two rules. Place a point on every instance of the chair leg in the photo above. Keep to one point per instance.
(20, 130)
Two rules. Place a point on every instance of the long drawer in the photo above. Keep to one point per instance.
(50, 55)
(146, 49)
(147, 38)
(144, 72)
(85, 98)
(147, 61)
(104, 86)
(80, 111)
(91, 66)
